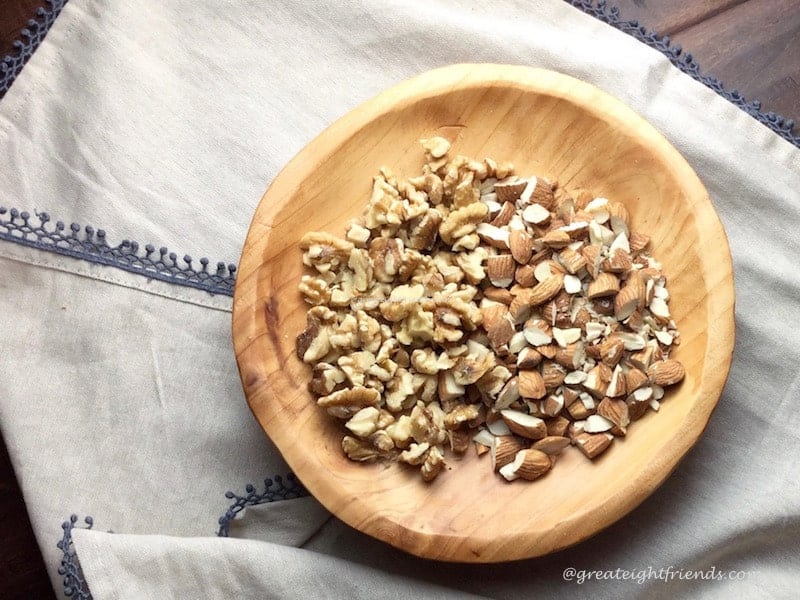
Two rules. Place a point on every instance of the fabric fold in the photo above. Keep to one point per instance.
(162, 567)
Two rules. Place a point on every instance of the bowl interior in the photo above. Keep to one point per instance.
(549, 125)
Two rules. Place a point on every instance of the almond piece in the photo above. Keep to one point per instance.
(520, 243)
(583, 318)
(628, 299)
(447, 387)
(666, 372)
(548, 350)
(615, 411)
(552, 405)
(597, 424)
(544, 291)
(535, 214)
(558, 426)
(642, 359)
(497, 294)
(531, 384)
(611, 351)
(537, 332)
(617, 209)
(658, 307)
(503, 217)
(556, 239)
(593, 259)
(597, 380)
(552, 444)
(517, 343)
(499, 332)
(572, 285)
(492, 235)
(578, 411)
(619, 261)
(605, 284)
(636, 408)
(544, 270)
(524, 425)
(552, 374)
(537, 191)
(500, 270)
(530, 464)
(616, 387)
(503, 450)
(634, 379)
(638, 241)
(571, 260)
(564, 337)
(508, 394)
(592, 445)
(529, 358)
(571, 356)
(575, 228)
(510, 189)
(525, 275)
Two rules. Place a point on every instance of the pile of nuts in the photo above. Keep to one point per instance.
(470, 306)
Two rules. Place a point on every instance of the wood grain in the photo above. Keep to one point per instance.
(769, 70)
(752, 46)
(549, 125)
(671, 16)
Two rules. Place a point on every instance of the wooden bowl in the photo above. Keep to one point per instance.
(547, 124)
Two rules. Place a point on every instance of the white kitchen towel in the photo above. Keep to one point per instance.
(163, 123)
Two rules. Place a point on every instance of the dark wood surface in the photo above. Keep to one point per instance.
(750, 45)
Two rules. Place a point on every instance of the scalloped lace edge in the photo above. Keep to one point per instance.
(89, 244)
(28, 42)
(275, 488)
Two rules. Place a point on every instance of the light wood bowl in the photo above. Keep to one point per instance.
(547, 124)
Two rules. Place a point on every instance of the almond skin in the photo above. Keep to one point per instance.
(503, 218)
(606, 284)
(593, 444)
(524, 425)
(521, 245)
(531, 464)
(531, 384)
(509, 191)
(617, 412)
(504, 449)
(545, 290)
(666, 372)
(552, 444)
(628, 300)
(500, 270)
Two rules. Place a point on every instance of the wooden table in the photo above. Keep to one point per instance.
(750, 45)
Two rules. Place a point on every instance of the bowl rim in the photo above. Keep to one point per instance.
(441, 81)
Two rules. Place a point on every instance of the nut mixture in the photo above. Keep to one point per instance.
(469, 306)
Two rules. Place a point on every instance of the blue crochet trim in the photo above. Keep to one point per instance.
(686, 63)
(30, 38)
(274, 489)
(74, 583)
(90, 244)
